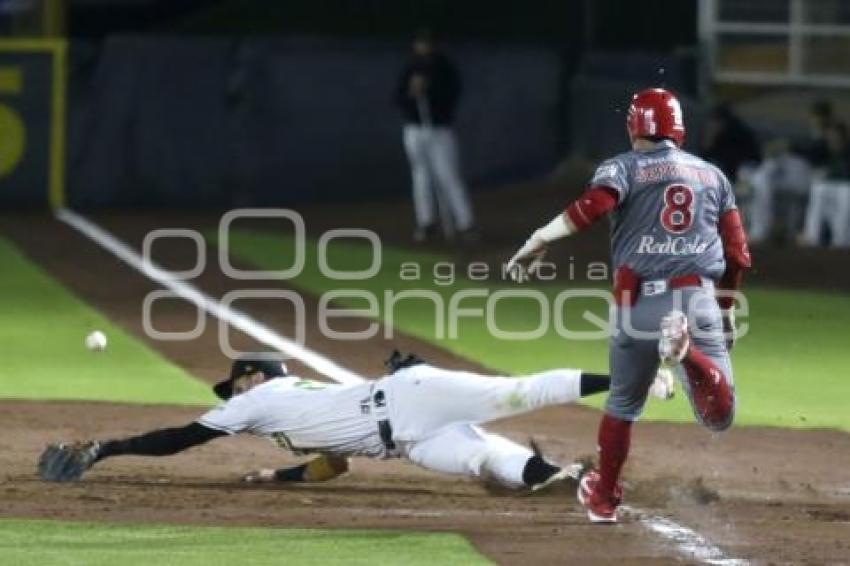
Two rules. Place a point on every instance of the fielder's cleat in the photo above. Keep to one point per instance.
(600, 508)
(560, 475)
(675, 339)
(544, 473)
(572, 472)
(664, 385)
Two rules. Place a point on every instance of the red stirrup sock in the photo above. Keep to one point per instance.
(712, 395)
(614, 438)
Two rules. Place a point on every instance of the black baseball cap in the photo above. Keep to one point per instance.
(268, 365)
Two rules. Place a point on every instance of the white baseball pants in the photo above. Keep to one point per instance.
(435, 412)
(787, 173)
(829, 204)
(435, 170)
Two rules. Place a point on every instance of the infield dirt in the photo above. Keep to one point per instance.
(764, 494)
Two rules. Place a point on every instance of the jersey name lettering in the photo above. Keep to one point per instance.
(667, 170)
(671, 246)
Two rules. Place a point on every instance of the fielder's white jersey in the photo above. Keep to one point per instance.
(304, 416)
(433, 415)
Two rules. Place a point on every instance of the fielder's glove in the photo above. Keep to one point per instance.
(525, 263)
(67, 462)
(729, 330)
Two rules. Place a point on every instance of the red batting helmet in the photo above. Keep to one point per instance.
(655, 112)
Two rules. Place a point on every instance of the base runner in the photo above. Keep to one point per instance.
(676, 238)
(420, 412)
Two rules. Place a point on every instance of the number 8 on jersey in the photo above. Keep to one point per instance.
(677, 216)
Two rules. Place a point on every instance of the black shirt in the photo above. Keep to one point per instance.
(441, 94)
(733, 146)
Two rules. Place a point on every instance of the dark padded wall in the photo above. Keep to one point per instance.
(204, 122)
(25, 126)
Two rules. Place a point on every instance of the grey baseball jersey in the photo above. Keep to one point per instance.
(665, 222)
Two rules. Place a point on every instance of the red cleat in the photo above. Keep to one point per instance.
(601, 508)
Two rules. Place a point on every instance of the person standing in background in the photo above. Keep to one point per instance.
(729, 142)
(816, 149)
(427, 94)
(791, 171)
(829, 199)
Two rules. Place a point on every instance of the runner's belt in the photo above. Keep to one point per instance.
(629, 286)
(652, 287)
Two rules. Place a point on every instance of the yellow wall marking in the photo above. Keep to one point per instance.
(11, 80)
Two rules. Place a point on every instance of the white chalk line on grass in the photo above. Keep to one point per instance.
(235, 318)
(687, 541)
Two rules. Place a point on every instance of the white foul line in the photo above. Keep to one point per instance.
(231, 316)
(686, 540)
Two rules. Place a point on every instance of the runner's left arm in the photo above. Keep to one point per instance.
(596, 202)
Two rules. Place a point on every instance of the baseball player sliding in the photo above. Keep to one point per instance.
(676, 237)
(420, 412)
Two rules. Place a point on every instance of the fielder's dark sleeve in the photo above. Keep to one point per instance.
(163, 442)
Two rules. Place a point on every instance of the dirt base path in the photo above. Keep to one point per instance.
(766, 494)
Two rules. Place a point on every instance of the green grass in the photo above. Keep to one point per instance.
(42, 333)
(44, 543)
(789, 370)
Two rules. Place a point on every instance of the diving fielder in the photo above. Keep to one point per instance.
(420, 412)
(676, 238)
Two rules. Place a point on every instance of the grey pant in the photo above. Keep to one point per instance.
(786, 175)
(829, 203)
(634, 357)
(435, 168)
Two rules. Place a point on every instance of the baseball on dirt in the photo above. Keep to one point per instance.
(96, 341)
